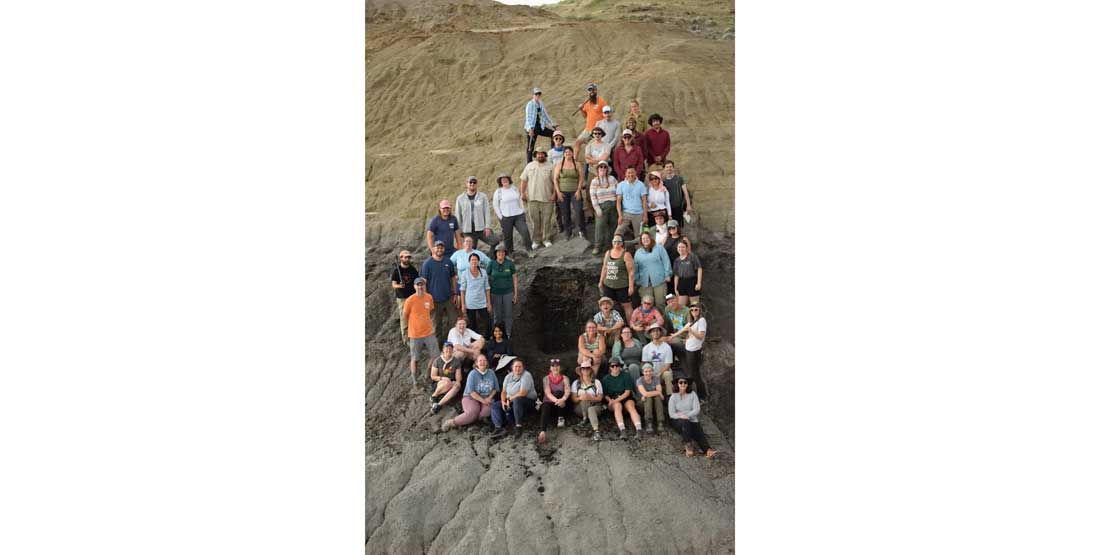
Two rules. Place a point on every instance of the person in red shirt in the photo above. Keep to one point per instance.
(656, 141)
(628, 154)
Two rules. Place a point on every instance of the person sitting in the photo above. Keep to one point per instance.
(446, 377)
(467, 342)
(480, 393)
(650, 392)
(556, 399)
(591, 345)
(608, 321)
(683, 412)
(645, 316)
(588, 397)
(517, 400)
(658, 352)
(498, 347)
(629, 350)
(618, 391)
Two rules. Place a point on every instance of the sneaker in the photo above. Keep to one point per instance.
(534, 246)
(660, 428)
(649, 429)
(547, 244)
(497, 432)
(637, 434)
(561, 421)
(448, 424)
(595, 252)
(435, 408)
(519, 432)
(622, 434)
(595, 436)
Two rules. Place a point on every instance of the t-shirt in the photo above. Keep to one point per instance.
(650, 386)
(467, 339)
(540, 181)
(675, 186)
(461, 260)
(662, 352)
(555, 154)
(616, 385)
(418, 311)
(483, 384)
(405, 277)
(607, 322)
(500, 276)
(444, 230)
(439, 274)
(474, 289)
(686, 267)
(596, 151)
(446, 368)
(613, 129)
(632, 195)
(513, 385)
(594, 389)
(692, 344)
(645, 318)
(670, 246)
(592, 113)
(676, 318)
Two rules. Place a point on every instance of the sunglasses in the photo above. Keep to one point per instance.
(597, 134)
(681, 382)
(555, 361)
(474, 181)
(559, 138)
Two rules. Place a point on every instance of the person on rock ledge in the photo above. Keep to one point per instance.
(467, 342)
(608, 321)
(517, 400)
(588, 397)
(536, 188)
(402, 281)
(472, 212)
(418, 309)
(683, 411)
(556, 399)
(618, 391)
(442, 283)
(591, 345)
(478, 397)
(446, 377)
(443, 228)
(536, 121)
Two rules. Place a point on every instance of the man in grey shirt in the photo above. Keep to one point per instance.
(611, 127)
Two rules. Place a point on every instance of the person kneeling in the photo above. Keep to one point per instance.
(517, 399)
(618, 388)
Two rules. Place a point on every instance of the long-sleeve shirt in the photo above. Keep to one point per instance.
(621, 160)
(651, 267)
(658, 200)
(602, 194)
(506, 202)
(472, 215)
(475, 289)
(688, 404)
(657, 143)
(536, 110)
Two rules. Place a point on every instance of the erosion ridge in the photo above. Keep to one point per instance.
(446, 84)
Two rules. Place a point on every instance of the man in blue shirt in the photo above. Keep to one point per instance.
(441, 275)
(443, 228)
(630, 199)
(536, 122)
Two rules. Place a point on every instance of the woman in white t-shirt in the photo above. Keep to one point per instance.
(696, 331)
(467, 342)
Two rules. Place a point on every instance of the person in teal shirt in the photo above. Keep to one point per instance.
(503, 287)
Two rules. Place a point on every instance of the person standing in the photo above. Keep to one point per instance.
(673, 239)
(612, 127)
(695, 332)
(402, 280)
(442, 284)
(443, 227)
(570, 193)
(476, 303)
(627, 155)
(617, 275)
(418, 309)
(536, 121)
(657, 141)
(536, 188)
(503, 288)
(509, 209)
(652, 270)
(630, 200)
(557, 150)
(591, 110)
(636, 114)
(679, 197)
(687, 273)
(657, 198)
(461, 258)
(602, 192)
(472, 211)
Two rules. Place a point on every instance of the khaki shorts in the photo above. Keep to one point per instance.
(584, 136)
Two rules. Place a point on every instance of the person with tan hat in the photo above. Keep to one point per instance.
(608, 320)
(536, 121)
(588, 397)
(656, 197)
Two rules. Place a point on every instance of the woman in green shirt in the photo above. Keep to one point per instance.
(570, 194)
(503, 287)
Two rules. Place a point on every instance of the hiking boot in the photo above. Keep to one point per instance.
(547, 244)
(649, 429)
(596, 436)
(622, 434)
(435, 409)
(660, 428)
(561, 421)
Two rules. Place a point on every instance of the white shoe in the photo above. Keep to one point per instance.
(547, 244)
(534, 246)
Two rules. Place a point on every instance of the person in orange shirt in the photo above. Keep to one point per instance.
(592, 110)
(418, 311)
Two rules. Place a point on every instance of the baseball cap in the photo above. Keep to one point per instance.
(606, 109)
(591, 86)
(448, 344)
(471, 179)
(627, 131)
(669, 296)
(673, 223)
(536, 90)
(586, 363)
(444, 204)
(419, 280)
(437, 243)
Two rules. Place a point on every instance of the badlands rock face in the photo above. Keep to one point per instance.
(446, 85)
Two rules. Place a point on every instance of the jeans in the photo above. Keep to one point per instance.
(550, 410)
(521, 407)
(502, 312)
(572, 207)
(605, 224)
(518, 222)
(477, 319)
(532, 139)
(694, 363)
(691, 431)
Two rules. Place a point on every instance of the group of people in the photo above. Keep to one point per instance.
(464, 299)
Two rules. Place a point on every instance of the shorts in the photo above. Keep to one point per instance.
(584, 136)
(618, 295)
(686, 288)
(416, 344)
